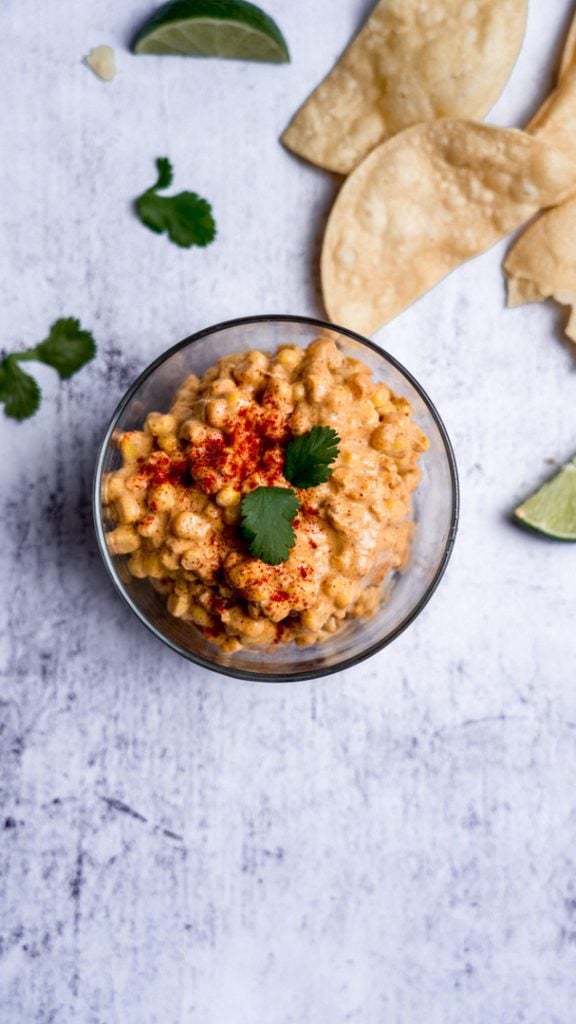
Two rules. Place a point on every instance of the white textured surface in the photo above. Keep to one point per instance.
(392, 846)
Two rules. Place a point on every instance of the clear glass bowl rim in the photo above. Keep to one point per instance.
(230, 670)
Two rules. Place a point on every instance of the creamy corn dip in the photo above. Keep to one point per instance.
(176, 498)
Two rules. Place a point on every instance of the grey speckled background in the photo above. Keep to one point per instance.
(395, 845)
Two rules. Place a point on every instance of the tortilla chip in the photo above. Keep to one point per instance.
(555, 122)
(569, 51)
(424, 202)
(542, 263)
(411, 62)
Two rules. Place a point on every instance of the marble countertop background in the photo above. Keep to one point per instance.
(392, 845)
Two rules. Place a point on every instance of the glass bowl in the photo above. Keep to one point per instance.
(435, 504)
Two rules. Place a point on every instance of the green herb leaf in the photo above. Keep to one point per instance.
(67, 347)
(186, 217)
(309, 456)
(18, 390)
(267, 515)
(165, 172)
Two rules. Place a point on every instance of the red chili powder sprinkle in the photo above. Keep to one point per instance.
(249, 445)
(162, 470)
(280, 595)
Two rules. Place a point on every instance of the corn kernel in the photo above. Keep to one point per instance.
(151, 526)
(314, 618)
(190, 526)
(168, 443)
(169, 560)
(178, 604)
(225, 386)
(316, 387)
(136, 566)
(395, 507)
(159, 423)
(134, 444)
(199, 615)
(301, 420)
(217, 412)
(236, 400)
(338, 589)
(380, 397)
(194, 430)
(258, 359)
(403, 406)
(146, 564)
(113, 485)
(228, 496)
(281, 392)
(128, 508)
(231, 645)
(289, 357)
(400, 446)
(196, 501)
(382, 438)
(123, 540)
(162, 498)
(360, 384)
(421, 442)
(350, 458)
(367, 413)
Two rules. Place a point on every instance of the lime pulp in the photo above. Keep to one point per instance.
(552, 509)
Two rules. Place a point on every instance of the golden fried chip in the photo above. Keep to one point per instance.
(424, 202)
(542, 263)
(411, 62)
(555, 122)
(569, 51)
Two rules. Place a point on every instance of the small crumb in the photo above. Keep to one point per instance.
(551, 462)
(102, 62)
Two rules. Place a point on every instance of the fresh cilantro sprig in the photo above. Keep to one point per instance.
(268, 512)
(186, 217)
(267, 515)
(66, 349)
(309, 457)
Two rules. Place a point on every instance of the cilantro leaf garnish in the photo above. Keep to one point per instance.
(18, 390)
(67, 348)
(267, 515)
(186, 217)
(309, 456)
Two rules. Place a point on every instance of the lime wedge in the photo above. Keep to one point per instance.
(552, 509)
(233, 29)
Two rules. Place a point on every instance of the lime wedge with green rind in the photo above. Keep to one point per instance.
(552, 510)
(233, 29)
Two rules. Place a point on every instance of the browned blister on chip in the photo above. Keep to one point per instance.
(411, 62)
(426, 201)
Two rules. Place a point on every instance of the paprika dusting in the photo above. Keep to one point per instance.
(176, 499)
